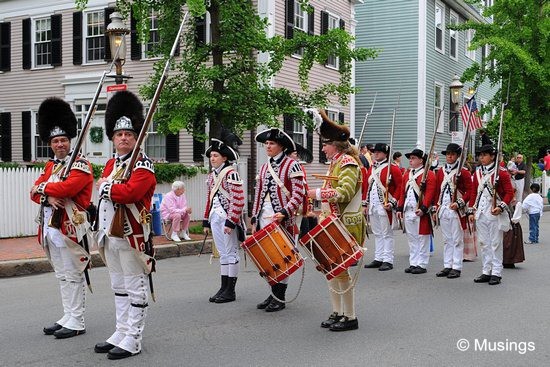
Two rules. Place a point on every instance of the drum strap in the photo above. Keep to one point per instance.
(278, 181)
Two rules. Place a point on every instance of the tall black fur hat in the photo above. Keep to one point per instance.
(55, 118)
(124, 112)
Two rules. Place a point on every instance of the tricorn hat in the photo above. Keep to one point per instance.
(124, 112)
(381, 147)
(330, 131)
(303, 153)
(276, 135)
(217, 145)
(452, 148)
(487, 148)
(417, 153)
(55, 118)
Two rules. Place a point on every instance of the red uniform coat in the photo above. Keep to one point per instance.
(232, 205)
(77, 186)
(505, 190)
(427, 200)
(464, 187)
(138, 190)
(394, 187)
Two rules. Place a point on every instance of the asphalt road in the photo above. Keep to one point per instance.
(404, 319)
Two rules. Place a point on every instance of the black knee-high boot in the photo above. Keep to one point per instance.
(222, 288)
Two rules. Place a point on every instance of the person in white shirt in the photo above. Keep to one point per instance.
(532, 205)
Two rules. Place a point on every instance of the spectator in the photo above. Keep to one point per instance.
(533, 206)
(547, 161)
(540, 165)
(519, 177)
(485, 140)
(365, 155)
(174, 208)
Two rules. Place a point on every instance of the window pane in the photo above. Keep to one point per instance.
(95, 41)
(42, 42)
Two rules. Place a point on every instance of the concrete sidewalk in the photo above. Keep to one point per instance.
(23, 255)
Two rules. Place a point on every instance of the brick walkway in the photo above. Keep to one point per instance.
(21, 248)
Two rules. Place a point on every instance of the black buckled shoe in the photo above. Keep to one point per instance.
(49, 330)
(103, 347)
(275, 306)
(65, 333)
(483, 278)
(374, 264)
(494, 280)
(333, 318)
(443, 273)
(418, 270)
(345, 324)
(410, 269)
(265, 303)
(385, 266)
(119, 353)
(454, 274)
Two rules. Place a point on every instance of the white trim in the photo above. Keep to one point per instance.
(457, 34)
(442, 7)
(421, 84)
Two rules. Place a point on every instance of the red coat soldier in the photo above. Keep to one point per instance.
(64, 224)
(126, 256)
(415, 214)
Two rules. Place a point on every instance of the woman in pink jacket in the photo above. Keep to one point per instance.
(174, 208)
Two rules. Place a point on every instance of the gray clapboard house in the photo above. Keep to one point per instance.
(418, 59)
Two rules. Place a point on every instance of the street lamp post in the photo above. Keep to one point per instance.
(456, 88)
(117, 31)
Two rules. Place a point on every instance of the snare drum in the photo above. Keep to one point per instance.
(273, 253)
(332, 247)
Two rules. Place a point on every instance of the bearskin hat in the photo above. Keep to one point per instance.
(55, 118)
(331, 131)
(124, 112)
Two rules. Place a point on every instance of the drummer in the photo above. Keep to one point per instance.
(280, 189)
(341, 196)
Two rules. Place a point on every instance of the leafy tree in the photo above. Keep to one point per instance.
(222, 81)
(518, 37)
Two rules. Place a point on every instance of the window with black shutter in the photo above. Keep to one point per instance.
(5, 139)
(5, 46)
(173, 147)
(107, 19)
(322, 155)
(27, 62)
(27, 135)
(341, 117)
(56, 39)
(77, 38)
(198, 146)
(289, 19)
(135, 45)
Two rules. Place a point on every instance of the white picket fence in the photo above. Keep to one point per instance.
(18, 212)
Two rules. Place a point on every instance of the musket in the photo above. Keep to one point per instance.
(366, 118)
(388, 176)
(499, 147)
(203, 243)
(143, 135)
(428, 162)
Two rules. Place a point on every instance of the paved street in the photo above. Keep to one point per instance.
(405, 320)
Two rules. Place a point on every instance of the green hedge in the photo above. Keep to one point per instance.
(164, 172)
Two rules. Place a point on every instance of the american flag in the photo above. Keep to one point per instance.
(471, 107)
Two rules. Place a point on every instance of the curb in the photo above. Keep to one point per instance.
(12, 268)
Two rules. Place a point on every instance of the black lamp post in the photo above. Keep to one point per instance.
(456, 88)
(116, 30)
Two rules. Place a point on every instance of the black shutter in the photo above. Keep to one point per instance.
(342, 25)
(341, 117)
(135, 45)
(27, 62)
(289, 21)
(173, 147)
(322, 155)
(288, 125)
(5, 46)
(56, 39)
(106, 13)
(311, 22)
(200, 31)
(27, 137)
(5, 132)
(77, 38)
(324, 22)
(198, 146)
(309, 142)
